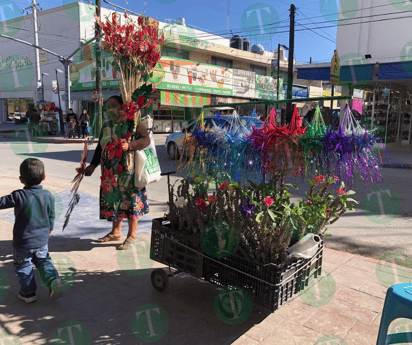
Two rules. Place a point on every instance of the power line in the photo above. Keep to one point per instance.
(317, 33)
(258, 27)
(346, 24)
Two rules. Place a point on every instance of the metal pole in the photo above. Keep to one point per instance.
(98, 71)
(36, 55)
(42, 87)
(60, 108)
(277, 83)
(66, 83)
(291, 51)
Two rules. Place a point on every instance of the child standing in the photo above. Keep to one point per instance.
(34, 212)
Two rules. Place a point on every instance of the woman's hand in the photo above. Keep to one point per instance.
(89, 170)
(125, 145)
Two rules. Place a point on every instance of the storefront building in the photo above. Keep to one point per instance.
(191, 73)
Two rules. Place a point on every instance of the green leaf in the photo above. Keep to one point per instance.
(350, 192)
(327, 235)
(259, 217)
(272, 215)
(352, 200)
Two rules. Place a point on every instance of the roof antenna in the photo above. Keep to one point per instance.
(231, 32)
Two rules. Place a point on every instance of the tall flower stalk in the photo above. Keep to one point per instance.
(136, 49)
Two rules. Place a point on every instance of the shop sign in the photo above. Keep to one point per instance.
(244, 83)
(189, 76)
(357, 93)
(54, 86)
(266, 87)
(315, 91)
(335, 69)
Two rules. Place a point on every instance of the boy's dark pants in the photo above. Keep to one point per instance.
(24, 261)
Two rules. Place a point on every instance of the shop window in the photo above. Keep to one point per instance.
(17, 105)
(258, 69)
(218, 61)
(173, 52)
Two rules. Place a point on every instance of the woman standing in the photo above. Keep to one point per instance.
(84, 122)
(111, 153)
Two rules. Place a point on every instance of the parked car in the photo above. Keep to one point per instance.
(174, 142)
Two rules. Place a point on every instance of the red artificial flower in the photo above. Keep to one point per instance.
(329, 213)
(201, 205)
(211, 199)
(310, 202)
(114, 150)
(340, 191)
(336, 177)
(319, 179)
(223, 186)
(269, 201)
(119, 169)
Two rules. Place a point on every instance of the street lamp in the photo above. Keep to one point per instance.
(277, 83)
(60, 105)
(42, 85)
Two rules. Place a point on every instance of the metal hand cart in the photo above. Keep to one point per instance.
(269, 286)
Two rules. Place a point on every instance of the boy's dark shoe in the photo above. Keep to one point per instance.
(56, 289)
(28, 298)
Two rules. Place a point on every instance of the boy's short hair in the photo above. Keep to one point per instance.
(32, 171)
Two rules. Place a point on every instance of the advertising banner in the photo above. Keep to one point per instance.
(189, 76)
(83, 71)
(244, 83)
(266, 87)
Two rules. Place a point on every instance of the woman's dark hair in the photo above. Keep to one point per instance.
(32, 171)
(119, 99)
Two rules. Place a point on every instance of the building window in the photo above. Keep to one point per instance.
(173, 52)
(258, 69)
(217, 61)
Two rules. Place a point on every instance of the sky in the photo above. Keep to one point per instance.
(265, 22)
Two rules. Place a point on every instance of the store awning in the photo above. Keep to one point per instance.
(348, 74)
(184, 99)
(87, 95)
(395, 70)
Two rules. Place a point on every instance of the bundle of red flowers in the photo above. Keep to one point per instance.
(136, 48)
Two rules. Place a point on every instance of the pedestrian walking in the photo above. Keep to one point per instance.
(72, 123)
(134, 200)
(34, 211)
(84, 123)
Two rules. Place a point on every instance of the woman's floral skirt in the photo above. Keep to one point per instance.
(133, 206)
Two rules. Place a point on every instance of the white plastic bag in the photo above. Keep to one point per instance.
(147, 167)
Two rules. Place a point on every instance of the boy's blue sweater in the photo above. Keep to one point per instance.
(34, 212)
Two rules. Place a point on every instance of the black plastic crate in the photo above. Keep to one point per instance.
(176, 249)
(269, 286)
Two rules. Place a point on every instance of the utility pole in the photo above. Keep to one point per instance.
(98, 111)
(291, 51)
(34, 8)
(64, 60)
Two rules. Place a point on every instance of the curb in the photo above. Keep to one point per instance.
(397, 166)
(55, 141)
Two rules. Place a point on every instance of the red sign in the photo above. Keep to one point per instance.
(95, 96)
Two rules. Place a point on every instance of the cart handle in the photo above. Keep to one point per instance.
(168, 173)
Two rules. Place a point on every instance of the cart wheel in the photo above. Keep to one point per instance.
(160, 280)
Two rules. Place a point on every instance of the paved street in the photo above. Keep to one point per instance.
(106, 288)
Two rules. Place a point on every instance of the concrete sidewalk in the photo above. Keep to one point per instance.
(106, 289)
